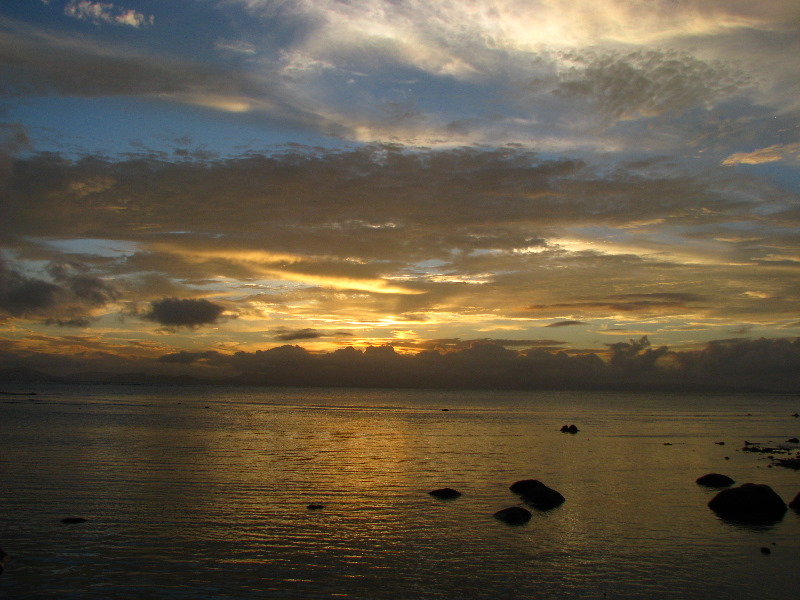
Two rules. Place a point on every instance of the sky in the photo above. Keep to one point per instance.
(189, 186)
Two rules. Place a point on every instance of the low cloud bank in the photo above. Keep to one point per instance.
(724, 365)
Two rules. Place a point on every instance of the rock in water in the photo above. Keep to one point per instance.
(73, 520)
(537, 494)
(513, 515)
(445, 493)
(715, 480)
(749, 503)
(795, 504)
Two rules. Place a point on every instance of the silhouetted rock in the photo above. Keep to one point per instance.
(3, 557)
(765, 550)
(73, 520)
(445, 493)
(715, 480)
(513, 515)
(793, 440)
(537, 494)
(795, 504)
(315, 506)
(570, 429)
(749, 503)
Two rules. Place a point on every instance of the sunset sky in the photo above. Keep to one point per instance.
(200, 178)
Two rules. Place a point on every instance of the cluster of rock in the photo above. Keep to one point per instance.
(751, 503)
(532, 492)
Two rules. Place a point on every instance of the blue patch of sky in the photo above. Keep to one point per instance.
(114, 127)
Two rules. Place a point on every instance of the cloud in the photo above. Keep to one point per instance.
(37, 63)
(69, 297)
(730, 365)
(653, 302)
(186, 358)
(286, 335)
(105, 12)
(774, 153)
(462, 235)
(646, 83)
(566, 323)
(178, 312)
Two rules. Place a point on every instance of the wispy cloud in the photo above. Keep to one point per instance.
(106, 12)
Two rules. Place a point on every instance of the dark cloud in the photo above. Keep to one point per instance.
(734, 364)
(567, 323)
(67, 298)
(288, 335)
(646, 302)
(179, 312)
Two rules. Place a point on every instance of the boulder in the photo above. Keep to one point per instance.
(569, 429)
(513, 515)
(445, 493)
(537, 494)
(715, 480)
(315, 506)
(749, 503)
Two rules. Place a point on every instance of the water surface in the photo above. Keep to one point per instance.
(198, 493)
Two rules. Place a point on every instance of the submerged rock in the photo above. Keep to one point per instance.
(513, 515)
(749, 503)
(537, 494)
(715, 480)
(445, 493)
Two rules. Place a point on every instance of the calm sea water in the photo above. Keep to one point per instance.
(200, 493)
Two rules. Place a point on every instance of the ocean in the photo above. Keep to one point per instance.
(204, 493)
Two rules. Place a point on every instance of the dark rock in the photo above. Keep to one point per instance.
(445, 493)
(720, 443)
(715, 480)
(570, 429)
(315, 506)
(795, 504)
(3, 557)
(765, 550)
(513, 515)
(524, 485)
(537, 494)
(793, 441)
(749, 503)
(73, 520)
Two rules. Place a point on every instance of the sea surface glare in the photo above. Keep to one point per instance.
(202, 493)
